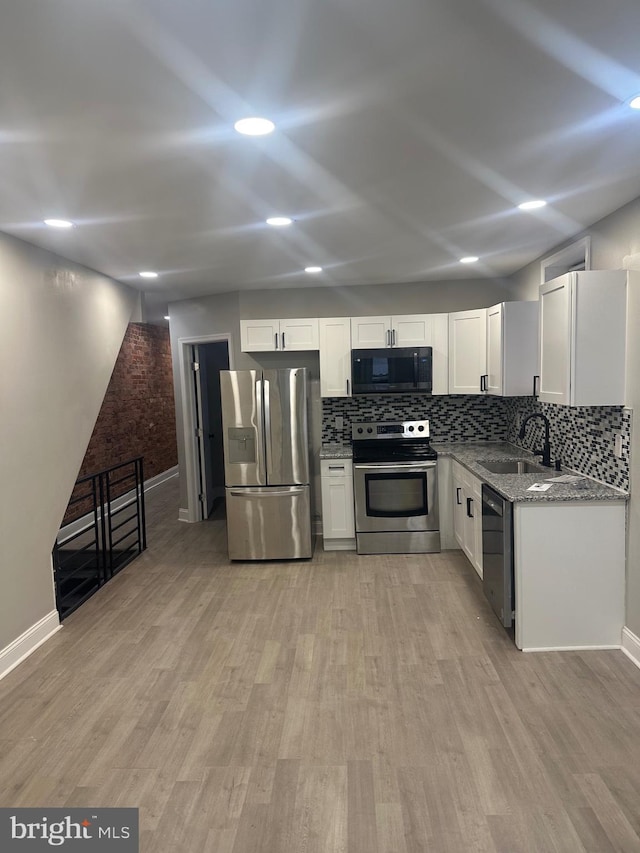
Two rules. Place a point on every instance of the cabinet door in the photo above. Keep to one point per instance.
(259, 335)
(467, 351)
(440, 345)
(335, 356)
(337, 499)
(476, 523)
(370, 332)
(459, 505)
(299, 334)
(411, 330)
(494, 350)
(555, 340)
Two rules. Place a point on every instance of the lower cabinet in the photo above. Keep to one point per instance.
(467, 513)
(338, 524)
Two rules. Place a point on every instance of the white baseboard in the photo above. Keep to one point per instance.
(86, 521)
(183, 515)
(631, 645)
(28, 642)
(339, 544)
(572, 648)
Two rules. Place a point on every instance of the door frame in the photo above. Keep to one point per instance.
(191, 513)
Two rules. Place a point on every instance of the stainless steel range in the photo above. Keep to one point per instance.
(395, 488)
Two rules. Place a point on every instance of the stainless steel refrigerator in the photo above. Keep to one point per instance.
(266, 463)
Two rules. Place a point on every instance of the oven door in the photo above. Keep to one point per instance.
(395, 496)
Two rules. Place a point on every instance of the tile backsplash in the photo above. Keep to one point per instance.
(583, 437)
(467, 417)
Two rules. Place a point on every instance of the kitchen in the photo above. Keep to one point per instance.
(512, 366)
(347, 702)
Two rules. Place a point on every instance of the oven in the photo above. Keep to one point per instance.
(395, 489)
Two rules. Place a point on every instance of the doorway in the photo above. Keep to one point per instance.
(201, 360)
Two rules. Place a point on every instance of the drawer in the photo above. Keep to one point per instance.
(336, 468)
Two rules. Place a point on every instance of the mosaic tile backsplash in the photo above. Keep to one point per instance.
(467, 417)
(583, 437)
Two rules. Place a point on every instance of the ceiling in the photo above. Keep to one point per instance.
(406, 134)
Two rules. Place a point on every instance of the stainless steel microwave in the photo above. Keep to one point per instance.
(392, 371)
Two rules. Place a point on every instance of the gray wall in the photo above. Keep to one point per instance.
(612, 240)
(633, 401)
(61, 327)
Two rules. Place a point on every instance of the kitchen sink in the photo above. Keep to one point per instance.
(513, 466)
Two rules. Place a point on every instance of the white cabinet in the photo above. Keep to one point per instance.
(335, 356)
(569, 574)
(467, 351)
(467, 513)
(370, 332)
(271, 335)
(338, 525)
(512, 348)
(408, 330)
(582, 339)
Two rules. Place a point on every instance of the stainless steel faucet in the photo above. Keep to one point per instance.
(545, 453)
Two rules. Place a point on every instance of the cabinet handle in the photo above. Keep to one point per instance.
(469, 502)
(347, 387)
(276, 336)
(483, 381)
(393, 337)
(458, 490)
(388, 338)
(534, 384)
(336, 467)
(283, 340)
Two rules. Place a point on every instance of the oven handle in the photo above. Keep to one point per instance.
(394, 466)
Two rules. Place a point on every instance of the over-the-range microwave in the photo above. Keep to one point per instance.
(391, 371)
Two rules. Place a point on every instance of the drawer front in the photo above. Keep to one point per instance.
(335, 467)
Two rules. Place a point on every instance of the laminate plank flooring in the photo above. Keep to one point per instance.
(340, 705)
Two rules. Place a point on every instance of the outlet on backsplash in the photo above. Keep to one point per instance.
(617, 445)
(339, 422)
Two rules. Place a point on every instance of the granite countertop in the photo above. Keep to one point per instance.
(514, 486)
(336, 451)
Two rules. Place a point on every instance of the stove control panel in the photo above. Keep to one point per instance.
(403, 429)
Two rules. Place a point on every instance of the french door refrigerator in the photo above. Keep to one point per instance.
(266, 463)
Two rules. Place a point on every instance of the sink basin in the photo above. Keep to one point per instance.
(514, 466)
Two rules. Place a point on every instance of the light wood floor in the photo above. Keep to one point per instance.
(359, 704)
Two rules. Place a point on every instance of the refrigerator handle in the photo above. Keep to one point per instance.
(266, 403)
(260, 394)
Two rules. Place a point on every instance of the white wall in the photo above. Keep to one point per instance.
(61, 327)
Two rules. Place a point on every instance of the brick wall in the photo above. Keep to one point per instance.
(137, 417)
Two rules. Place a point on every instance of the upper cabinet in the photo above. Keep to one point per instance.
(408, 330)
(582, 339)
(512, 348)
(467, 351)
(272, 335)
(335, 356)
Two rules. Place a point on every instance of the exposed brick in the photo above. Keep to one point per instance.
(137, 417)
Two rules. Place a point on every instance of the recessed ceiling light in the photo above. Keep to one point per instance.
(532, 205)
(470, 259)
(279, 221)
(58, 223)
(254, 126)
(313, 269)
(634, 103)
(148, 274)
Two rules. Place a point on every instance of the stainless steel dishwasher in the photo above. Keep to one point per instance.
(497, 554)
